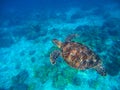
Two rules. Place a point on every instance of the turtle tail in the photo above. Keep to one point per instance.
(101, 70)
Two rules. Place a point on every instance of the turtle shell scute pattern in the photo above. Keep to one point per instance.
(79, 56)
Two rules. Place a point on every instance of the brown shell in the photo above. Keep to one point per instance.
(79, 56)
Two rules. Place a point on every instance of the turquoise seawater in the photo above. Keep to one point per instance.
(27, 28)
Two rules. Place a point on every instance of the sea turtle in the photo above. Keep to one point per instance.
(77, 55)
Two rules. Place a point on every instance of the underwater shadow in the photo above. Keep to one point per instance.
(113, 69)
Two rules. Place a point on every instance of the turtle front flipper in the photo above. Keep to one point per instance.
(70, 37)
(101, 70)
(53, 56)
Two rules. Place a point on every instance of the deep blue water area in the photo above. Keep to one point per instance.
(27, 28)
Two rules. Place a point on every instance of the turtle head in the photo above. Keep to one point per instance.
(57, 42)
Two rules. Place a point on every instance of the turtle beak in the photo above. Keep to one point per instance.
(57, 42)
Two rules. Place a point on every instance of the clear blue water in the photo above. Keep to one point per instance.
(27, 28)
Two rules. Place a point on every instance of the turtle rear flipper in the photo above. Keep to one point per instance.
(101, 70)
(70, 37)
(53, 56)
